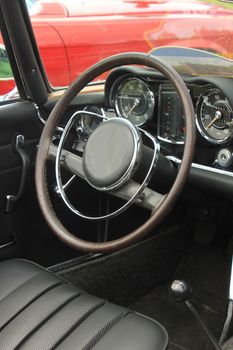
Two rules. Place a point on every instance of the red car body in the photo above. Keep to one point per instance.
(74, 34)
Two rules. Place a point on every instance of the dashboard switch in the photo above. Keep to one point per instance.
(225, 157)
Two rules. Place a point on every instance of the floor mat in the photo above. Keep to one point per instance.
(125, 276)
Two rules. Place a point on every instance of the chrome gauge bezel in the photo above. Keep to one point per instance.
(199, 124)
(90, 108)
(149, 92)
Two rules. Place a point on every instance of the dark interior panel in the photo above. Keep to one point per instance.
(18, 118)
(23, 231)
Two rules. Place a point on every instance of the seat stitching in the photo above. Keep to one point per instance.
(40, 324)
(98, 336)
(77, 324)
(25, 282)
(30, 302)
(20, 286)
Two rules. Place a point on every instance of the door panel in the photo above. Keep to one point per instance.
(18, 118)
(24, 232)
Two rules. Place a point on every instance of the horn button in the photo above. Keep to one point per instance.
(112, 154)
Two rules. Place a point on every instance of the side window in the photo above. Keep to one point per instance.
(8, 89)
(7, 83)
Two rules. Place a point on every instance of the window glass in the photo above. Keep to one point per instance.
(7, 83)
(32, 6)
(8, 89)
(73, 35)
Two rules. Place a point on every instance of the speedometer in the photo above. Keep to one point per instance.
(214, 116)
(134, 101)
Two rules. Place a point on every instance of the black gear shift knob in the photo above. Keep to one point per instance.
(180, 290)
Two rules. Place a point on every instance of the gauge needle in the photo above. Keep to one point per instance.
(218, 116)
(208, 104)
(136, 103)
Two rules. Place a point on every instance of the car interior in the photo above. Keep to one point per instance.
(116, 200)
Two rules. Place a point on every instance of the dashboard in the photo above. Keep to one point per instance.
(150, 102)
(144, 99)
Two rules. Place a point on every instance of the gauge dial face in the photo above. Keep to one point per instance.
(214, 116)
(134, 101)
(90, 122)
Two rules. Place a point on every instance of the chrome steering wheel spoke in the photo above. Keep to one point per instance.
(132, 192)
(149, 199)
(68, 160)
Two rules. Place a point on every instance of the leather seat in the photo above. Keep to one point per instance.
(39, 310)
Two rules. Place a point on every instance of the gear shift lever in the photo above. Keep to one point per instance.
(181, 292)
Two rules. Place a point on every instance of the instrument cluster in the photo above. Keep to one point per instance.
(143, 100)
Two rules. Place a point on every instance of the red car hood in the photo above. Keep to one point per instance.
(80, 8)
(49, 8)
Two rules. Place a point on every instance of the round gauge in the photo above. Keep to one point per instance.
(214, 116)
(134, 101)
(90, 122)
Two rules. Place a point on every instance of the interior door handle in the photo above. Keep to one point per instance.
(11, 199)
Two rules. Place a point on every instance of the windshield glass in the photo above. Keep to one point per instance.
(32, 6)
(195, 62)
(73, 35)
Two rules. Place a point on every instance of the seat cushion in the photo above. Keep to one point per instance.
(39, 310)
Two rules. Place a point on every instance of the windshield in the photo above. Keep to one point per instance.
(72, 35)
(32, 6)
(193, 62)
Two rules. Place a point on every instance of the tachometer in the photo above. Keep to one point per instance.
(214, 116)
(134, 101)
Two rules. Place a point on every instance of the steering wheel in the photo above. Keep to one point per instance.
(110, 166)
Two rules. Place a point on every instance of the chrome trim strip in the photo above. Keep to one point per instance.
(231, 282)
(202, 167)
(170, 141)
(41, 118)
(66, 265)
(226, 332)
(228, 322)
(43, 121)
(8, 244)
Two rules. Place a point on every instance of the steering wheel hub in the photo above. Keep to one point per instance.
(112, 154)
